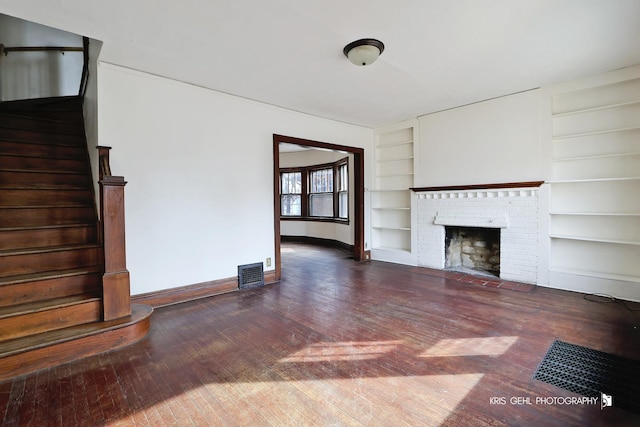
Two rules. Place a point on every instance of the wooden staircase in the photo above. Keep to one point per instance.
(51, 255)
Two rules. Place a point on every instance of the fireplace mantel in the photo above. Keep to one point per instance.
(524, 184)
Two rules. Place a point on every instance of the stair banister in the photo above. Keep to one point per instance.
(115, 280)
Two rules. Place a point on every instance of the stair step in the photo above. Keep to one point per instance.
(28, 288)
(44, 215)
(43, 316)
(24, 355)
(45, 196)
(34, 149)
(35, 179)
(24, 135)
(25, 261)
(71, 103)
(35, 163)
(47, 236)
(17, 120)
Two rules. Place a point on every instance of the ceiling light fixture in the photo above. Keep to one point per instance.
(364, 51)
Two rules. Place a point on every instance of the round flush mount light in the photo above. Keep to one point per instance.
(364, 51)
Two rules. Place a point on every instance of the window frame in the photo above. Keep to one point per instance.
(301, 194)
(306, 194)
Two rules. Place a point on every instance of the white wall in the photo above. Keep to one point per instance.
(199, 166)
(494, 141)
(25, 75)
(323, 230)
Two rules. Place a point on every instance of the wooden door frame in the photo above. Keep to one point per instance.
(359, 252)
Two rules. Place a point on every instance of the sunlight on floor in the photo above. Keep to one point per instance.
(489, 346)
(287, 250)
(421, 399)
(341, 351)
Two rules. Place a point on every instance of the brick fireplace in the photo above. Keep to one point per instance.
(510, 210)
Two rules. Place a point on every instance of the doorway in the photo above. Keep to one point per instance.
(359, 252)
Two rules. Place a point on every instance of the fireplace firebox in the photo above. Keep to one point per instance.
(473, 249)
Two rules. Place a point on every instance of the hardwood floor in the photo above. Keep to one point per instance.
(336, 343)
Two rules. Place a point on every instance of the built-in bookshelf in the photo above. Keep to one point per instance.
(391, 196)
(595, 191)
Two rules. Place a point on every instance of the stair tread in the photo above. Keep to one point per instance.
(22, 113)
(43, 171)
(46, 275)
(66, 205)
(45, 249)
(48, 227)
(45, 339)
(44, 305)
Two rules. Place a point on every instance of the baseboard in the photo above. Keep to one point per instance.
(196, 291)
(318, 241)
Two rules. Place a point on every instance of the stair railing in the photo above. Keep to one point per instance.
(116, 291)
(5, 50)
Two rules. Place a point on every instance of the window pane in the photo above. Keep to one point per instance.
(290, 205)
(321, 204)
(343, 205)
(343, 184)
(291, 182)
(321, 181)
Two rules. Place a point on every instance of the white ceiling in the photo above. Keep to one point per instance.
(439, 53)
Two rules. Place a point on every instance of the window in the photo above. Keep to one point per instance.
(291, 193)
(319, 192)
(343, 191)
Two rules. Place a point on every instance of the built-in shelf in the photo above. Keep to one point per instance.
(595, 167)
(392, 228)
(597, 132)
(593, 109)
(395, 174)
(596, 239)
(572, 181)
(392, 208)
(595, 213)
(601, 156)
(395, 159)
(393, 144)
(392, 249)
(600, 274)
(391, 216)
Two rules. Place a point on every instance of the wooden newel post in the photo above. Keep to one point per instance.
(116, 290)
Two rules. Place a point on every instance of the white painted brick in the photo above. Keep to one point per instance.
(519, 241)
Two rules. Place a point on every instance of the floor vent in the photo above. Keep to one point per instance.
(250, 275)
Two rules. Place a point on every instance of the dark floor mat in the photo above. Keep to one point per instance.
(590, 372)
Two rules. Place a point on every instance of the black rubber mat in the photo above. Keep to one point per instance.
(590, 372)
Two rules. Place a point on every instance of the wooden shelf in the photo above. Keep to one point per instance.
(601, 156)
(596, 213)
(394, 174)
(598, 274)
(391, 228)
(596, 239)
(395, 159)
(392, 249)
(394, 144)
(573, 181)
(599, 132)
(391, 208)
(591, 109)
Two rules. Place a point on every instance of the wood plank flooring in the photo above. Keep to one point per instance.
(336, 343)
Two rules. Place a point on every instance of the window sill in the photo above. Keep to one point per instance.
(315, 218)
